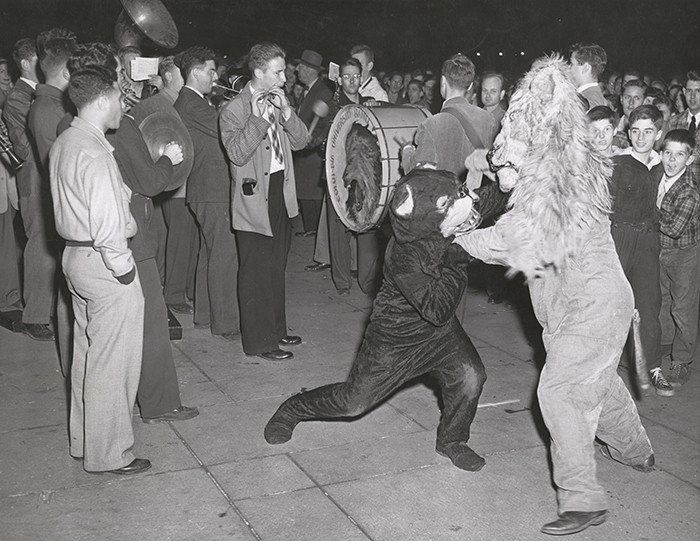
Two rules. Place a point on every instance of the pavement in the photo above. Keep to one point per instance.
(374, 478)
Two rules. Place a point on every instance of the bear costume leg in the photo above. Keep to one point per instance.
(454, 362)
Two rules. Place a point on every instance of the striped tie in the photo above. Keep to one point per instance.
(274, 134)
(692, 127)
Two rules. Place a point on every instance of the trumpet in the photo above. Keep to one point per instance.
(6, 147)
(238, 83)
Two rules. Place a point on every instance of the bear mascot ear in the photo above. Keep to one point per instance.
(403, 208)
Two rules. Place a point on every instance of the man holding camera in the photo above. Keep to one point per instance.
(259, 130)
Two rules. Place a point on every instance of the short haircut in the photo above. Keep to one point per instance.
(260, 55)
(166, 65)
(652, 92)
(459, 71)
(494, 75)
(54, 33)
(57, 52)
(24, 49)
(680, 136)
(647, 112)
(663, 99)
(592, 54)
(91, 82)
(194, 57)
(637, 74)
(351, 62)
(602, 112)
(128, 49)
(416, 82)
(693, 75)
(634, 82)
(364, 49)
(93, 54)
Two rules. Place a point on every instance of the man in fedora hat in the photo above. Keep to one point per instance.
(308, 163)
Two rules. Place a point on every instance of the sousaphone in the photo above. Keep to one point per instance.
(145, 20)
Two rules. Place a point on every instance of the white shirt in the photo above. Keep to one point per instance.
(29, 82)
(275, 164)
(372, 89)
(196, 91)
(665, 185)
(654, 157)
(581, 88)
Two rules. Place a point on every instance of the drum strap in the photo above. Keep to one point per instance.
(469, 130)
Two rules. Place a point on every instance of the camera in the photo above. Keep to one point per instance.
(249, 187)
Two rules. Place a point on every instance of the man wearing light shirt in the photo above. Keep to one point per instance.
(369, 86)
(91, 207)
(588, 62)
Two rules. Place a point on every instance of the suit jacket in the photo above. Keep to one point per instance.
(15, 115)
(594, 96)
(209, 180)
(308, 163)
(441, 140)
(246, 142)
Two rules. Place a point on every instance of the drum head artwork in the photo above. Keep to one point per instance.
(363, 162)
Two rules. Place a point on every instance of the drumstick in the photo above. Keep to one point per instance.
(321, 110)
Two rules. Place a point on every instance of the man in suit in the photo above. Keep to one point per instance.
(690, 118)
(492, 94)
(259, 130)
(308, 162)
(182, 237)
(588, 62)
(28, 181)
(208, 195)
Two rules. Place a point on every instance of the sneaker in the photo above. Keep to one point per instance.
(679, 374)
(659, 382)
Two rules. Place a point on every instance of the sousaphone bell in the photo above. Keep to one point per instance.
(143, 20)
(158, 129)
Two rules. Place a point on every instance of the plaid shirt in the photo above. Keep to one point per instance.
(680, 213)
(682, 121)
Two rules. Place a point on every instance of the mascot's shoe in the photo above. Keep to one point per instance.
(574, 522)
(461, 456)
(645, 467)
(280, 427)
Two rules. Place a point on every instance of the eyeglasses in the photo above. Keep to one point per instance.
(349, 77)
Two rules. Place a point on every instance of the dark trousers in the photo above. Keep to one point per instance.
(9, 261)
(638, 249)
(310, 213)
(180, 251)
(261, 275)
(40, 259)
(370, 246)
(158, 391)
(452, 361)
(216, 269)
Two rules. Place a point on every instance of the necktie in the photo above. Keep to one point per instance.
(662, 191)
(274, 134)
(692, 127)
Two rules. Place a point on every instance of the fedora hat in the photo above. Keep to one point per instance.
(312, 59)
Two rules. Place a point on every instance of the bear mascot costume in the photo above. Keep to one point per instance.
(413, 329)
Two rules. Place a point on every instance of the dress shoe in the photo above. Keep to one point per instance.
(38, 331)
(461, 455)
(178, 414)
(182, 308)
(645, 467)
(574, 522)
(137, 465)
(230, 336)
(304, 233)
(276, 355)
(290, 341)
(317, 267)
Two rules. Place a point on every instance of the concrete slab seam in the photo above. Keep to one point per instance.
(216, 483)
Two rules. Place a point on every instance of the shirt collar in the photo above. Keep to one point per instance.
(196, 91)
(668, 181)
(585, 87)
(29, 82)
(89, 127)
(654, 157)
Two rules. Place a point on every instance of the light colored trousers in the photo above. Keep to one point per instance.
(107, 347)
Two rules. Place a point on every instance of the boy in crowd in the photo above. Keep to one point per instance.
(631, 98)
(602, 129)
(678, 200)
(635, 226)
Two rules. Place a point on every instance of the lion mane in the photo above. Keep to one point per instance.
(561, 189)
(363, 173)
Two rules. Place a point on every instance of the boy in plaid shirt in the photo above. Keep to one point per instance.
(678, 200)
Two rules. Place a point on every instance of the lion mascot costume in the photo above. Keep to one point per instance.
(557, 233)
(413, 329)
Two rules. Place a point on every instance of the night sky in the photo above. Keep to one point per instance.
(658, 36)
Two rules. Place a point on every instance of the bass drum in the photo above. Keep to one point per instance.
(390, 125)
